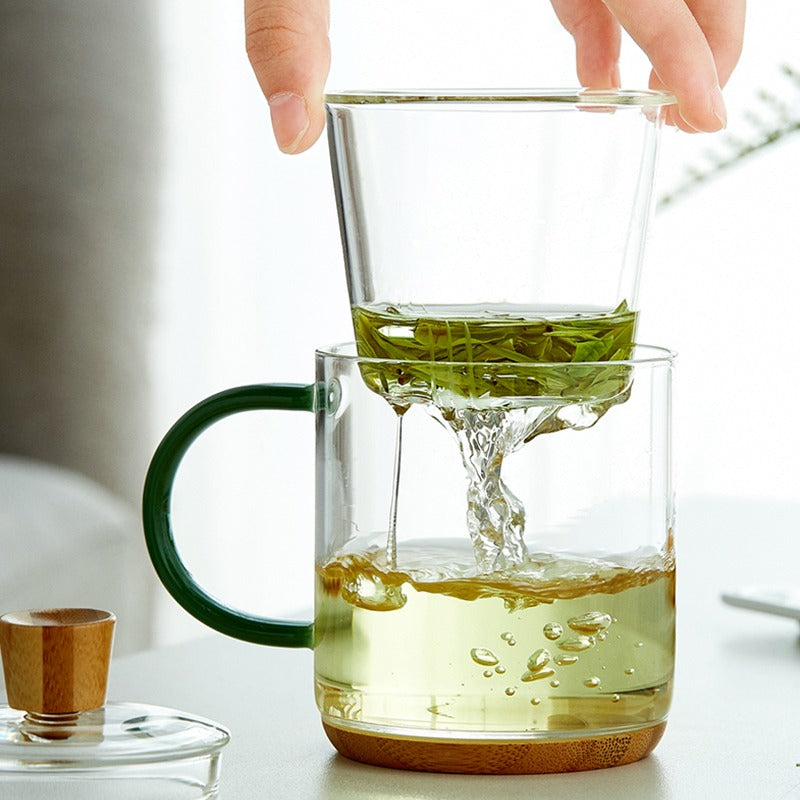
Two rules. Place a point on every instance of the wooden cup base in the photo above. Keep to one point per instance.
(496, 758)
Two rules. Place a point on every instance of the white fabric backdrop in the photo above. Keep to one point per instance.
(251, 275)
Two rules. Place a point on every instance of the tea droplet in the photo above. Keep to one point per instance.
(499, 669)
(565, 661)
(577, 644)
(538, 660)
(487, 673)
(510, 691)
(535, 701)
(484, 657)
(555, 684)
(630, 671)
(590, 622)
(639, 644)
(615, 698)
(592, 683)
(508, 638)
(527, 677)
(552, 631)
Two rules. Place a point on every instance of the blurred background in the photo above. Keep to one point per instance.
(208, 259)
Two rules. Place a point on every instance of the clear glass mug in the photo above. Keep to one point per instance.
(456, 204)
(494, 563)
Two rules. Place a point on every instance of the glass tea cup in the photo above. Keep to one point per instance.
(494, 562)
(453, 204)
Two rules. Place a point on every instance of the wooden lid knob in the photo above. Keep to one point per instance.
(55, 661)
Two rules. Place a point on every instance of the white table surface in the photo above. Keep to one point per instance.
(734, 729)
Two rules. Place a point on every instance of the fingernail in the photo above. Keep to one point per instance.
(289, 119)
(718, 107)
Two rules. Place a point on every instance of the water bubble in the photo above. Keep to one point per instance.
(578, 415)
(373, 594)
(535, 701)
(538, 660)
(487, 673)
(510, 691)
(484, 657)
(590, 622)
(601, 636)
(500, 669)
(552, 631)
(565, 661)
(639, 644)
(615, 698)
(630, 671)
(555, 684)
(592, 683)
(577, 644)
(527, 677)
(508, 638)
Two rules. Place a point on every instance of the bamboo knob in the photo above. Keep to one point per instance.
(56, 661)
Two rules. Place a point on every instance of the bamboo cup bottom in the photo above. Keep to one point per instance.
(495, 758)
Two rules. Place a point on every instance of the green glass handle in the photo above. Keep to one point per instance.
(156, 504)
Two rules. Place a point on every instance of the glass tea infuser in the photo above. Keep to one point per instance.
(494, 563)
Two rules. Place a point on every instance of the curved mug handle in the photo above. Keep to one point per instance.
(156, 506)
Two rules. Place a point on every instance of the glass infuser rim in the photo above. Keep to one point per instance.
(578, 98)
(652, 355)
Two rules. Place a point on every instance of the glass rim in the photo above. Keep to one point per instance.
(652, 355)
(578, 98)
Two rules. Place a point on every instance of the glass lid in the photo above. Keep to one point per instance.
(115, 735)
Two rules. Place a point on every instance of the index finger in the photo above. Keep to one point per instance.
(681, 56)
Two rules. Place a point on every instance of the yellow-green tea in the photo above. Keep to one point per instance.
(555, 646)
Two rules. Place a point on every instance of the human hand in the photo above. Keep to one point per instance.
(693, 46)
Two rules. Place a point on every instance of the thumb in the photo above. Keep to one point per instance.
(288, 47)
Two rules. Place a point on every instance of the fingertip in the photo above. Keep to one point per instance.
(296, 123)
(706, 114)
(694, 111)
(718, 109)
(312, 133)
(290, 120)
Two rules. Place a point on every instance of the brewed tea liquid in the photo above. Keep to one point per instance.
(555, 646)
